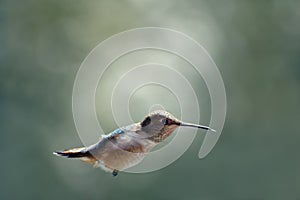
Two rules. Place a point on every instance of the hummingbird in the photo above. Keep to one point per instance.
(127, 146)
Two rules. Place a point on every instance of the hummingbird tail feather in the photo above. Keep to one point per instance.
(73, 153)
(80, 153)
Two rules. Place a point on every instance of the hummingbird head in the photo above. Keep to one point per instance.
(160, 124)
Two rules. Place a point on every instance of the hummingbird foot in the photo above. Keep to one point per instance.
(115, 172)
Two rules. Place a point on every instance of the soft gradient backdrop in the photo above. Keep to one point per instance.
(256, 47)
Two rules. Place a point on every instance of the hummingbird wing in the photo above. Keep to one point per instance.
(128, 139)
(121, 149)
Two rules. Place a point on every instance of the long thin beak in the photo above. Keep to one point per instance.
(196, 126)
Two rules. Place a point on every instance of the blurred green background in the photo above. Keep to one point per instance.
(256, 47)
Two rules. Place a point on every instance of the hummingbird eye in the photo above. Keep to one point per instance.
(165, 121)
(146, 122)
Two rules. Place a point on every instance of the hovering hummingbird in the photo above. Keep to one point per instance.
(127, 146)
